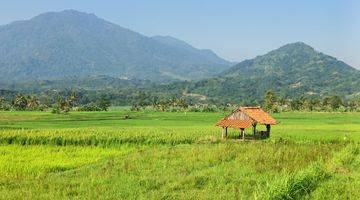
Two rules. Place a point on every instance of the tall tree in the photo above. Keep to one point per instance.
(61, 105)
(270, 101)
(20, 102)
(72, 98)
(335, 102)
(3, 104)
(104, 103)
(33, 103)
(332, 102)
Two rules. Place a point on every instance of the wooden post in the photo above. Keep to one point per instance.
(222, 133)
(243, 134)
(268, 127)
(226, 133)
(254, 130)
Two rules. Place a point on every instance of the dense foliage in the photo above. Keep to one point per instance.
(82, 100)
(58, 102)
(292, 71)
(301, 77)
(273, 103)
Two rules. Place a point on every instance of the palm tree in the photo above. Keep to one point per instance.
(2, 103)
(33, 103)
(20, 102)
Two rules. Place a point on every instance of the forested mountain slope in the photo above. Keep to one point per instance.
(55, 45)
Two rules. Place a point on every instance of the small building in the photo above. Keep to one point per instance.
(246, 117)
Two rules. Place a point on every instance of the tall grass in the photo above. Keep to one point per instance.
(106, 137)
(316, 177)
(196, 171)
(33, 161)
(175, 156)
(298, 185)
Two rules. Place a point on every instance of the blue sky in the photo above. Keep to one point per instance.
(235, 30)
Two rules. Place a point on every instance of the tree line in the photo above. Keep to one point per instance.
(271, 102)
(57, 103)
(274, 103)
(65, 101)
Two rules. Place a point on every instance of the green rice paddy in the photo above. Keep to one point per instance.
(176, 155)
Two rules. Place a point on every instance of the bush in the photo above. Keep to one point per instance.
(89, 107)
(204, 108)
(57, 110)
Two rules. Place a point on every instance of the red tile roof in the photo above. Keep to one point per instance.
(233, 123)
(255, 115)
(258, 115)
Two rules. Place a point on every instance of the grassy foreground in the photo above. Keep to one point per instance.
(176, 156)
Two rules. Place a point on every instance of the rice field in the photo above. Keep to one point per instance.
(176, 155)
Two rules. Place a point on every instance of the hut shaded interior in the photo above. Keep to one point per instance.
(246, 117)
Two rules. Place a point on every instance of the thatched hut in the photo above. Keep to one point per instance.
(246, 117)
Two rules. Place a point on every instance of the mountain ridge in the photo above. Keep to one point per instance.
(292, 71)
(295, 69)
(54, 45)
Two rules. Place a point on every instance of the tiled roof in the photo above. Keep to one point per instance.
(235, 123)
(258, 114)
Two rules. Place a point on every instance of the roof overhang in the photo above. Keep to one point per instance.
(234, 123)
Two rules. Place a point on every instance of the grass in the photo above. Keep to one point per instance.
(163, 155)
(21, 162)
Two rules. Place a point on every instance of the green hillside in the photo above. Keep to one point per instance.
(293, 70)
(56, 45)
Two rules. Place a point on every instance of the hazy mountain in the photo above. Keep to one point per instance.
(83, 51)
(55, 45)
(101, 82)
(206, 54)
(293, 70)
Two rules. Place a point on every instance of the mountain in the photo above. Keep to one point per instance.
(56, 45)
(292, 70)
(207, 54)
(90, 83)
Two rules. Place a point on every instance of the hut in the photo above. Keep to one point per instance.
(246, 117)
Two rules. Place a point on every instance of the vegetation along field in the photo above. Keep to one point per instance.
(176, 155)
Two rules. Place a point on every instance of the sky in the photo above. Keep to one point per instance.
(234, 29)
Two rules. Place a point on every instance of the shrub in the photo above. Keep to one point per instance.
(90, 107)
